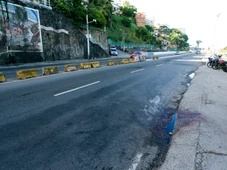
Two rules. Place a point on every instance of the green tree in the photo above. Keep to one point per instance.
(153, 39)
(98, 15)
(105, 7)
(72, 9)
(158, 43)
(176, 37)
(143, 34)
(198, 42)
(126, 21)
(185, 37)
(149, 28)
(101, 10)
(128, 10)
(164, 29)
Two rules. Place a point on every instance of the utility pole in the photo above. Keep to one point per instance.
(85, 4)
(123, 39)
(214, 34)
(88, 37)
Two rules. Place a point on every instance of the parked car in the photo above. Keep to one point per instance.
(137, 54)
(113, 50)
(198, 52)
(177, 53)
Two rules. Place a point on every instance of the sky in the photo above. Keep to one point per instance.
(198, 17)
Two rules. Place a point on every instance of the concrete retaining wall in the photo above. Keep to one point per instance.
(60, 39)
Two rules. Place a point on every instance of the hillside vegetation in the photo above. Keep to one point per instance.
(119, 26)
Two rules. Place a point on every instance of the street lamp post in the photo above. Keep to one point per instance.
(85, 4)
(88, 41)
(214, 33)
(123, 39)
(88, 35)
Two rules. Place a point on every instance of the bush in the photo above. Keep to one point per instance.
(126, 22)
(98, 15)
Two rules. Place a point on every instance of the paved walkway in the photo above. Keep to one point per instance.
(200, 135)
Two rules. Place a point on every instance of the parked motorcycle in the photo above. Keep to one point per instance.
(221, 64)
(212, 60)
(215, 64)
(224, 68)
(209, 63)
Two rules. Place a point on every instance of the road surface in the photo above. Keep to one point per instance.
(108, 118)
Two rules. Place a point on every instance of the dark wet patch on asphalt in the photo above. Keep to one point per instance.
(167, 124)
(161, 135)
(169, 128)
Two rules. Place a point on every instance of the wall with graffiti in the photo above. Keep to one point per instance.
(19, 28)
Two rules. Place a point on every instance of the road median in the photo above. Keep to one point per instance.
(124, 61)
(25, 74)
(70, 67)
(110, 63)
(49, 70)
(2, 77)
(95, 64)
(86, 65)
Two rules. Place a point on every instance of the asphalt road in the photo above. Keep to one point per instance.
(104, 118)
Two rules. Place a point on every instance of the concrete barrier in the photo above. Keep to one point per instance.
(117, 62)
(95, 64)
(109, 63)
(132, 60)
(160, 54)
(124, 61)
(137, 59)
(25, 74)
(142, 58)
(2, 77)
(70, 67)
(85, 65)
(154, 57)
(50, 70)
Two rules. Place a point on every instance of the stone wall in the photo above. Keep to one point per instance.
(100, 38)
(60, 39)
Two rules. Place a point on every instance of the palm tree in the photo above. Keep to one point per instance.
(198, 42)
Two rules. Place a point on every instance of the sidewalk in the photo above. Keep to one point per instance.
(200, 135)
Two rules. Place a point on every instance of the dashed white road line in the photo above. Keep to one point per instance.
(136, 161)
(159, 65)
(137, 70)
(78, 88)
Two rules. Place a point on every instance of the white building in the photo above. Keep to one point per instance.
(182, 30)
(119, 2)
(149, 21)
(116, 8)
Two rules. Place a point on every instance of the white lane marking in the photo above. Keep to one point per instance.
(137, 70)
(171, 56)
(81, 87)
(159, 65)
(136, 161)
(189, 60)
